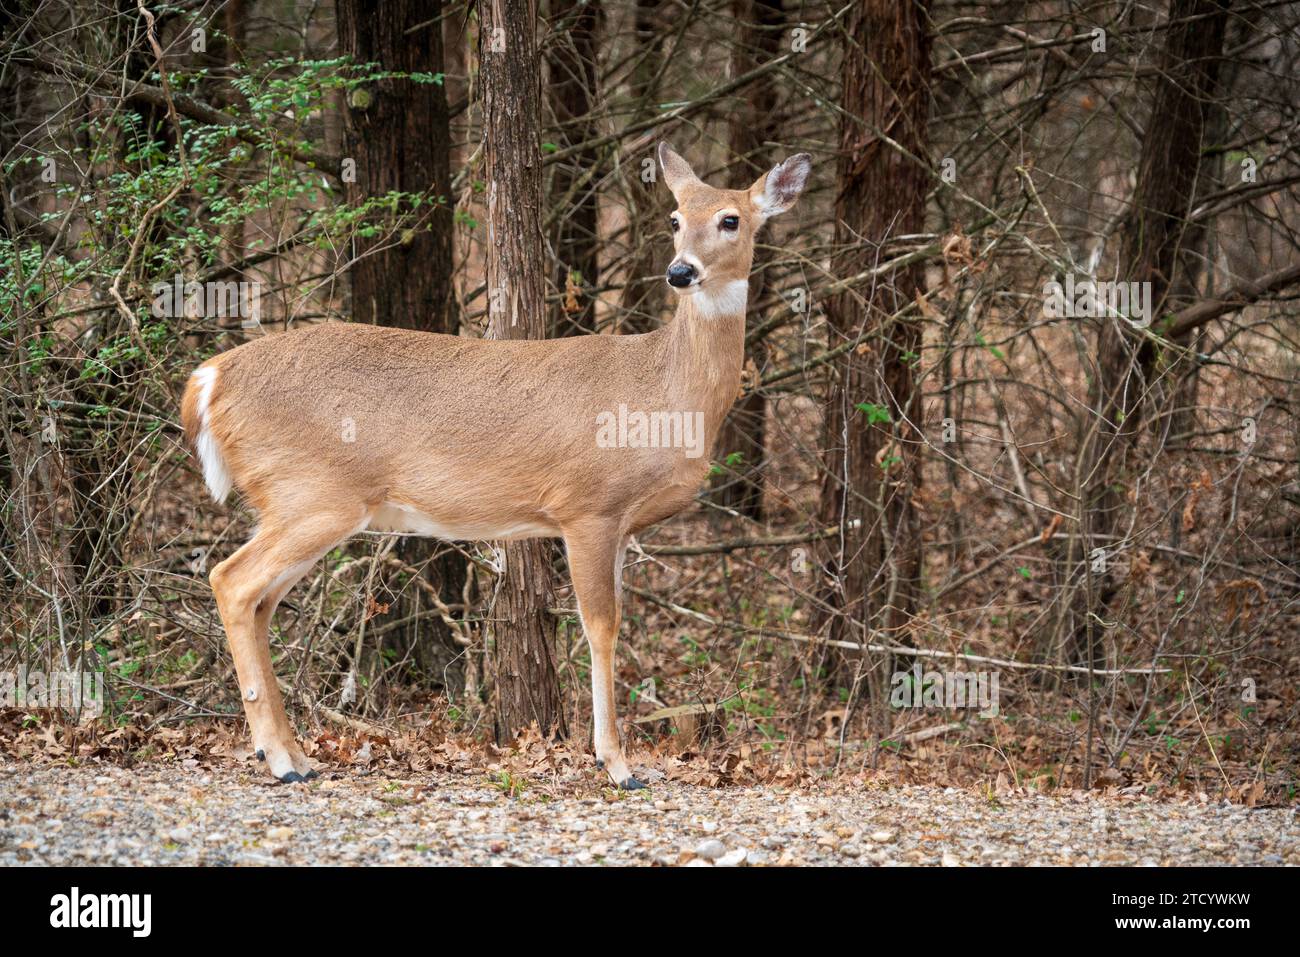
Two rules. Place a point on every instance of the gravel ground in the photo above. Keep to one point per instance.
(100, 814)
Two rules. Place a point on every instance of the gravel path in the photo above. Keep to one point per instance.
(103, 814)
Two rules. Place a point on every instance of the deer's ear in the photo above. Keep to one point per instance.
(777, 189)
(677, 172)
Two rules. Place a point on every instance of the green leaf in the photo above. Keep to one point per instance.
(875, 413)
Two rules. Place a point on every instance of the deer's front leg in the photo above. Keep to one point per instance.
(595, 561)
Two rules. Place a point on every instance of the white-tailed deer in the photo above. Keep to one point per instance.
(339, 427)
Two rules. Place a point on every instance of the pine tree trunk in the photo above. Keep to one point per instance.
(753, 124)
(644, 289)
(1159, 247)
(572, 91)
(397, 132)
(527, 687)
(872, 459)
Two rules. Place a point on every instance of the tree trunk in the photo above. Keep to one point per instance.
(527, 688)
(872, 458)
(1159, 247)
(643, 295)
(754, 122)
(397, 132)
(572, 92)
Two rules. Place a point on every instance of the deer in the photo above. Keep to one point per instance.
(339, 428)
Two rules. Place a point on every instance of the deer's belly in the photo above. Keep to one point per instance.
(392, 518)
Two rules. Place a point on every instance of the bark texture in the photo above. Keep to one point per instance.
(396, 130)
(871, 446)
(754, 123)
(1160, 247)
(572, 91)
(527, 687)
(644, 290)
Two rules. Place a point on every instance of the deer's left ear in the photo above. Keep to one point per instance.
(777, 189)
(677, 172)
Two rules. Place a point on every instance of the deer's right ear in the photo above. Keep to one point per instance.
(677, 172)
(777, 189)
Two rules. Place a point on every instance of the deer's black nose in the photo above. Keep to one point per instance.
(681, 275)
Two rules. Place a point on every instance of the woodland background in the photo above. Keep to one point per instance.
(923, 467)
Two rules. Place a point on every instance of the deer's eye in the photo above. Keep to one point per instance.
(730, 223)
(672, 221)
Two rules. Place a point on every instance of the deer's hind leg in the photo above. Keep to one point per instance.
(248, 585)
(596, 563)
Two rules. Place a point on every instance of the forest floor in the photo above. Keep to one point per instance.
(180, 813)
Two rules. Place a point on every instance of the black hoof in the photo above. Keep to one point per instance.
(261, 755)
(310, 774)
(600, 765)
(631, 784)
(293, 777)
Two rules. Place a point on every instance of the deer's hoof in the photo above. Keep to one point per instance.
(293, 777)
(631, 784)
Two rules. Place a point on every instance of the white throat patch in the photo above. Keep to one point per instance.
(728, 300)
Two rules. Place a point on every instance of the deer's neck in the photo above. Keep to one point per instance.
(706, 349)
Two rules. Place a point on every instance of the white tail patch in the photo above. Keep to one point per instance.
(215, 473)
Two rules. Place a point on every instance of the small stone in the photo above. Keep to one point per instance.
(179, 835)
(697, 862)
(882, 837)
(710, 850)
(950, 859)
(734, 858)
(279, 834)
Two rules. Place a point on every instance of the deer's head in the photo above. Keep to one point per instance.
(713, 229)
